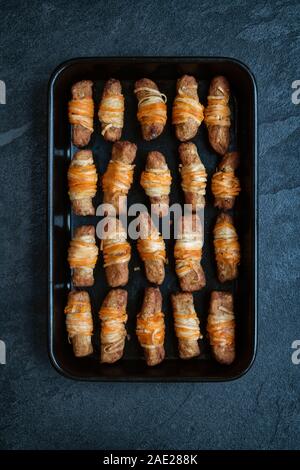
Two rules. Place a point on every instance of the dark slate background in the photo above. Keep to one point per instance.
(39, 408)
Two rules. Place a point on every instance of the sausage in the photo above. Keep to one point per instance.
(111, 111)
(227, 248)
(79, 323)
(116, 252)
(81, 112)
(82, 179)
(156, 181)
(186, 325)
(152, 108)
(151, 248)
(82, 256)
(193, 176)
(221, 327)
(225, 185)
(118, 177)
(217, 114)
(150, 328)
(113, 318)
(188, 253)
(187, 113)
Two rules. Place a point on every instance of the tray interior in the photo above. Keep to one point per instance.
(62, 221)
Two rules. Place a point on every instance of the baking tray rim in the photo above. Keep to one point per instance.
(50, 317)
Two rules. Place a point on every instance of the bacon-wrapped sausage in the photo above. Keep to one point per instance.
(188, 253)
(150, 328)
(156, 181)
(152, 108)
(187, 112)
(79, 323)
(225, 185)
(82, 255)
(81, 112)
(113, 318)
(116, 253)
(187, 325)
(221, 327)
(193, 176)
(151, 248)
(82, 179)
(118, 177)
(111, 110)
(217, 114)
(227, 248)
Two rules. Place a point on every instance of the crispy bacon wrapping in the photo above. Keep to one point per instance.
(82, 179)
(217, 114)
(227, 248)
(111, 111)
(156, 181)
(113, 318)
(81, 112)
(152, 108)
(221, 327)
(118, 177)
(151, 248)
(187, 112)
(187, 325)
(150, 328)
(188, 253)
(225, 185)
(116, 253)
(79, 323)
(193, 176)
(83, 255)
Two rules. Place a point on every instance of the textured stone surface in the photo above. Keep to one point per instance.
(40, 409)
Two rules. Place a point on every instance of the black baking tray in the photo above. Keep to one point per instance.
(61, 222)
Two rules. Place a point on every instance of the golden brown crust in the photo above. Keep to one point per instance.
(194, 280)
(82, 206)
(223, 353)
(227, 270)
(159, 205)
(149, 131)
(154, 269)
(154, 356)
(219, 136)
(79, 296)
(82, 89)
(229, 163)
(155, 272)
(155, 160)
(81, 135)
(124, 152)
(82, 344)
(112, 87)
(189, 155)
(152, 303)
(116, 298)
(183, 302)
(117, 275)
(81, 279)
(189, 129)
